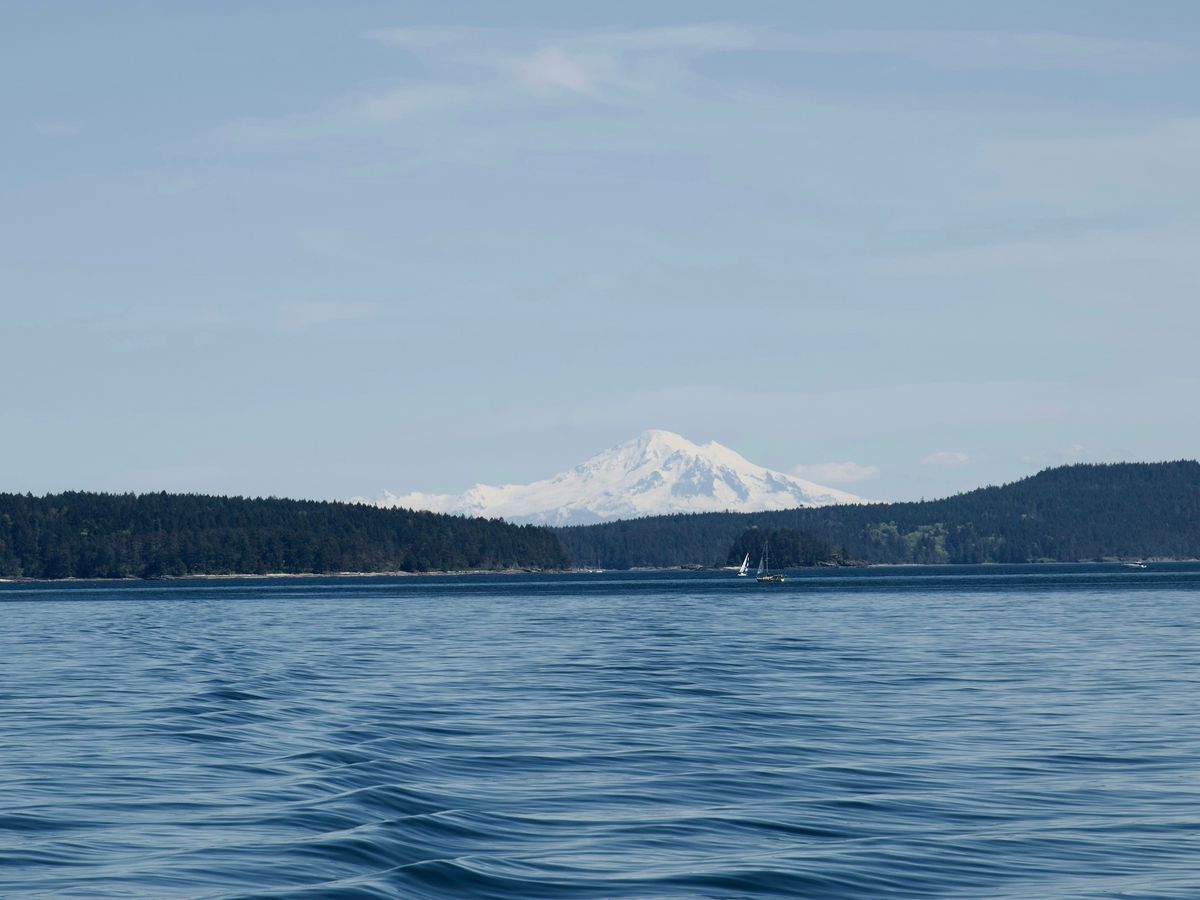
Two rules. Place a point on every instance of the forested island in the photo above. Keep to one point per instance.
(89, 535)
(789, 549)
(1065, 514)
(1068, 514)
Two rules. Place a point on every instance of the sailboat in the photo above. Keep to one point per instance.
(745, 565)
(764, 569)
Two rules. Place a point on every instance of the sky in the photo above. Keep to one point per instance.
(326, 249)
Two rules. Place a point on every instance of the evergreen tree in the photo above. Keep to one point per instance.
(87, 535)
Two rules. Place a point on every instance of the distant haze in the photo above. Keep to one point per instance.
(319, 250)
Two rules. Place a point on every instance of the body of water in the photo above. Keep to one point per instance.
(961, 732)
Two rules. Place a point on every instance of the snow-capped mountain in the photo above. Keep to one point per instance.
(656, 473)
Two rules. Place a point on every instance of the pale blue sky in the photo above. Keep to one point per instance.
(323, 249)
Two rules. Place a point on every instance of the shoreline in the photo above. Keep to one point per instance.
(243, 576)
(263, 576)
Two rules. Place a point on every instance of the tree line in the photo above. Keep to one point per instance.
(1069, 513)
(1080, 512)
(785, 548)
(93, 535)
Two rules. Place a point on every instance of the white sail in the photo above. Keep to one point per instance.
(745, 565)
(764, 567)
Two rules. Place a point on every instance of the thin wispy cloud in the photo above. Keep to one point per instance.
(592, 64)
(303, 316)
(1155, 162)
(955, 49)
(491, 68)
(553, 70)
(1085, 248)
(173, 321)
(58, 129)
(427, 37)
(1075, 453)
(466, 44)
(946, 458)
(985, 49)
(836, 472)
(357, 112)
(400, 102)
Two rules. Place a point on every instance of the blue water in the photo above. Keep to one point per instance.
(979, 732)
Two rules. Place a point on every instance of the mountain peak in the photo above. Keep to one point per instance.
(656, 473)
(657, 440)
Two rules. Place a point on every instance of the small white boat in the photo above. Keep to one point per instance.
(744, 566)
(1136, 564)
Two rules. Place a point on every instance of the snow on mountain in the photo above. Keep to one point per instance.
(658, 472)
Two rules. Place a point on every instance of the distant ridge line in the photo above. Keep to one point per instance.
(1075, 512)
(94, 535)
